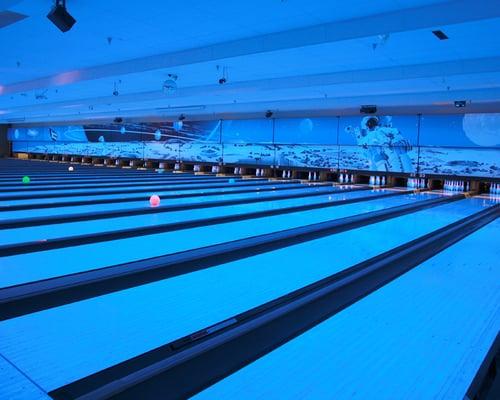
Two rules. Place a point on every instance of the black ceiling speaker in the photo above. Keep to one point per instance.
(60, 17)
(460, 103)
(368, 109)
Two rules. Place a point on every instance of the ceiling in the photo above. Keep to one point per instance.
(290, 56)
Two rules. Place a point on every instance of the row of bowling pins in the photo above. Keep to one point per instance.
(377, 180)
(416, 183)
(237, 171)
(346, 178)
(196, 168)
(495, 188)
(260, 172)
(313, 176)
(286, 174)
(456, 186)
(215, 169)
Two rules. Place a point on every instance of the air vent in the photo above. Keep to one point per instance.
(440, 35)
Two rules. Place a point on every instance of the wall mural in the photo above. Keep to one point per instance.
(439, 144)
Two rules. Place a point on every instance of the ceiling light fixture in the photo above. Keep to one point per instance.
(60, 16)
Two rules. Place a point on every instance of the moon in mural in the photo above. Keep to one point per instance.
(306, 126)
(482, 129)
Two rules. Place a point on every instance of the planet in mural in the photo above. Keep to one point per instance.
(482, 129)
(306, 126)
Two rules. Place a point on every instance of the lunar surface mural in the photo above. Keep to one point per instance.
(467, 145)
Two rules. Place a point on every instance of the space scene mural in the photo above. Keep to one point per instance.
(467, 145)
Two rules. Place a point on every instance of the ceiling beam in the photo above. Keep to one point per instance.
(429, 101)
(408, 72)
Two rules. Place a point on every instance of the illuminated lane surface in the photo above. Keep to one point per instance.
(26, 267)
(423, 336)
(57, 346)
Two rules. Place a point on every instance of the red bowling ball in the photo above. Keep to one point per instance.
(154, 200)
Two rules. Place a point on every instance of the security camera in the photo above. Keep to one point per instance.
(115, 92)
(118, 120)
(169, 86)
(182, 117)
(268, 114)
(223, 75)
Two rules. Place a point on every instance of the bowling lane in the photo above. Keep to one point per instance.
(68, 181)
(26, 267)
(16, 386)
(231, 191)
(144, 203)
(59, 187)
(57, 346)
(158, 189)
(423, 336)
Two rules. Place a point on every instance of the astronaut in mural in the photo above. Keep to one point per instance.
(384, 146)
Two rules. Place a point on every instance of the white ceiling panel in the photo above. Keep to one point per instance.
(279, 52)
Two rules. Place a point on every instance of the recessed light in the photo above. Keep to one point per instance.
(440, 35)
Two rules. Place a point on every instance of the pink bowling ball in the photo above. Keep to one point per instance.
(154, 200)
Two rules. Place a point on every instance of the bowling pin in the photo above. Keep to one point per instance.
(289, 174)
(377, 180)
(371, 181)
(341, 178)
(283, 175)
(383, 181)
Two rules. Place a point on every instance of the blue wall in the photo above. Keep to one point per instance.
(441, 144)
